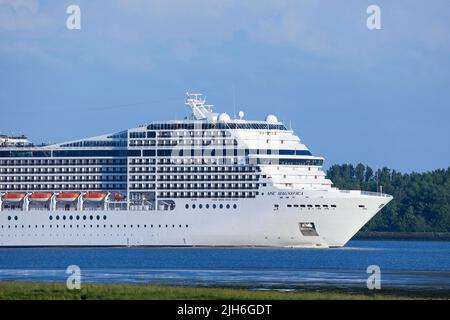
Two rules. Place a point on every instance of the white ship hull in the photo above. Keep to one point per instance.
(206, 180)
(255, 222)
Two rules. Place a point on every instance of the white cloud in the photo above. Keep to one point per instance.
(22, 15)
(118, 31)
(292, 29)
(30, 5)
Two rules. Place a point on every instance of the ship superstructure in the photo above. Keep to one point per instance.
(207, 180)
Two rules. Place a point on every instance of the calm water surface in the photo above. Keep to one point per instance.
(404, 264)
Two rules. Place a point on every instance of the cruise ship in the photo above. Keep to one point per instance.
(206, 180)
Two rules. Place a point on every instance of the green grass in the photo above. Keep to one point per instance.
(58, 291)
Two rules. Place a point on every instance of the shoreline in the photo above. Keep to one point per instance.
(421, 236)
(12, 290)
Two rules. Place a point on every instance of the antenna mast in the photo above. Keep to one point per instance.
(200, 110)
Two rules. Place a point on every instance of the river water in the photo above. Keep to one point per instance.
(403, 264)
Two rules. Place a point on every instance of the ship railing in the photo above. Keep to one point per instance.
(38, 209)
(32, 146)
(371, 193)
(367, 193)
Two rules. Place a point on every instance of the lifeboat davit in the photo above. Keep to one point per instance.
(95, 196)
(68, 196)
(40, 196)
(13, 197)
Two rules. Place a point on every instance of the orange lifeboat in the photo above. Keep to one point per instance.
(68, 196)
(119, 197)
(95, 196)
(40, 196)
(13, 197)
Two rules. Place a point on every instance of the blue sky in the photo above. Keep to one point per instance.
(381, 97)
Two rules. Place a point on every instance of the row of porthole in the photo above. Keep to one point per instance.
(68, 235)
(77, 217)
(214, 206)
(309, 206)
(104, 226)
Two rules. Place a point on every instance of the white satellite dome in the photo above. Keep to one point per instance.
(271, 118)
(224, 117)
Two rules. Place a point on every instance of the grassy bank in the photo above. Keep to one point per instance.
(50, 291)
(430, 236)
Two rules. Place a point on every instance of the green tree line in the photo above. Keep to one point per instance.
(421, 200)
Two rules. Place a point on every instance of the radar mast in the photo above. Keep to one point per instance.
(200, 110)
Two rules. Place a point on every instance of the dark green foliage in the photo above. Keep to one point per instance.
(421, 200)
